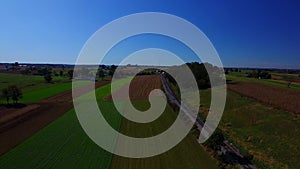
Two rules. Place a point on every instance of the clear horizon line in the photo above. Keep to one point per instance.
(73, 64)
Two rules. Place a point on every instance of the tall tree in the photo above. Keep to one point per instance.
(111, 73)
(216, 140)
(6, 94)
(48, 77)
(12, 92)
(16, 93)
(70, 74)
(101, 74)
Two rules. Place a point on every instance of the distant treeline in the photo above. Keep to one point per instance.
(239, 69)
(259, 74)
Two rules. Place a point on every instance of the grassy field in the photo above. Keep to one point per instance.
(271, 135)
(28, 82)
(186, 155)
(189, 151)
(286, 76)
(63, 144)
(34, 88)
(241, 77)
(38, 94)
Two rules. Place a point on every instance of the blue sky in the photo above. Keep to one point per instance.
(254, 33)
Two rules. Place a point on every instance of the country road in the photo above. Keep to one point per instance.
(229, 151)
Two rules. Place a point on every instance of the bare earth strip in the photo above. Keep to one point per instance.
(281, 98)
(16, 125)
(7, 115)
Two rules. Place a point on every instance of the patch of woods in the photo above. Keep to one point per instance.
(215, 145)
(200, 73)
(14, 94)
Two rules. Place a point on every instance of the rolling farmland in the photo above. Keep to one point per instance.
(35, 88)
(63, 143)
(187, 154)
(268, 133)
(150, 85)
(189, 151)
(241, 77)
(32, 118)
(278, 97)
(247, 122)
(28, 82)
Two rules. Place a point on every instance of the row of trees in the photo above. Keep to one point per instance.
(47, 73)
(259, 74)
(87, 73)
(12, 92)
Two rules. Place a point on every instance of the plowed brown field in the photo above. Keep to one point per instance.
(140, 88)
(278, 97)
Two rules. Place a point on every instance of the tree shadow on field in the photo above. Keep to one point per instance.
(231, 82)
(15, 105)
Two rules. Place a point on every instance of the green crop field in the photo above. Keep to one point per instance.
(187, 155)
(42, 93)
(28, 82)
(34, 88)
(63, 144)
(271, 135)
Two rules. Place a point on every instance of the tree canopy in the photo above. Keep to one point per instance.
(200, 72)
(12, 92)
